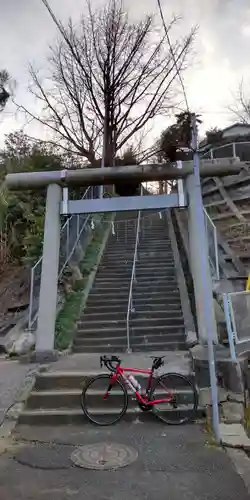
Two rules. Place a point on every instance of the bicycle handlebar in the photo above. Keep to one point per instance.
(108, 362)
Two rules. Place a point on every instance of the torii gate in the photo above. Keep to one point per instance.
(58, 204)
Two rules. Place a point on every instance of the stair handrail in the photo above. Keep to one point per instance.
(211, 149)
(214, 265)
(133, 278)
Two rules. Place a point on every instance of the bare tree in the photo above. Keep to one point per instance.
(241, 108)
(108, 76)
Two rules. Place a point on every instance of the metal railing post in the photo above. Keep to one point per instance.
(77, 225)
(130, 297)
(215, 242)
(216, 253)
(67, 239)
(31, 299)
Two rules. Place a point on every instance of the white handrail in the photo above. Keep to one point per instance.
(211, 148)
(217, 268)
(133, 278)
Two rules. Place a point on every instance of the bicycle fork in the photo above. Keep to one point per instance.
(113, 379)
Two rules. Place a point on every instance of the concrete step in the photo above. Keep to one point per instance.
(137, 287)
(147, 254)
(109, 285)
(143, 293)
(143, 279)
(154, 285)
(63, 380)
(146, 308)
(141, 303)
(156, 297)
(145, 266)
(100, 294)
(138, 347)
(64, 416)
(70, 398)
(134, 322)
(121, 307)
(115, 265)
(156, 303)
(154, 270)
(155, 239)
(165, 294)
(148, 258)
(120, 244)
(116, 283)
(46, 381)
(120, 329)
(153, 262)
(101, 349)
(146, 273)
(82, 341)
(115, 315)
(142, 247)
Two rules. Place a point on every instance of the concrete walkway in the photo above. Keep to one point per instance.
(174, 463)
(174, 361)
(13, 378)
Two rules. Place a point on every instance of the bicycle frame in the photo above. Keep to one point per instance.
(120, 372)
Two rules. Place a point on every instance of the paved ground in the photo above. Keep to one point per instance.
(174, 463)
(12, 380)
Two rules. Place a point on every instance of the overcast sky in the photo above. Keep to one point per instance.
(221, 49)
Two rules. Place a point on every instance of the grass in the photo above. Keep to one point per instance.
(68, 316)
(247, 417)
(71, 310)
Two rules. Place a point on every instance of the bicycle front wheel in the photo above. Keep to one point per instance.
(102, 407)
(180, 399)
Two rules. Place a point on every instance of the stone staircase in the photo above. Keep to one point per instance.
(156, 323)
(55, 399)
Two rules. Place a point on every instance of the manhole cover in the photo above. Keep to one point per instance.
(103, 456)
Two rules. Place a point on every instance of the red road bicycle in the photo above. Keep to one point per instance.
(172, 396)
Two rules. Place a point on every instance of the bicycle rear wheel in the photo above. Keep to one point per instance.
(182, 396)
(100, 410)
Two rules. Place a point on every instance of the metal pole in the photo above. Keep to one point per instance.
(31, 298)
(68, 238)
(101, 188)
(201, 273)
(65, 200)
(77, 225)
(216, 254)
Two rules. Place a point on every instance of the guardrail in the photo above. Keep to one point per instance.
(73, 231)
(212, 239)
(233, 147)
(237, 315)
(132, 280)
